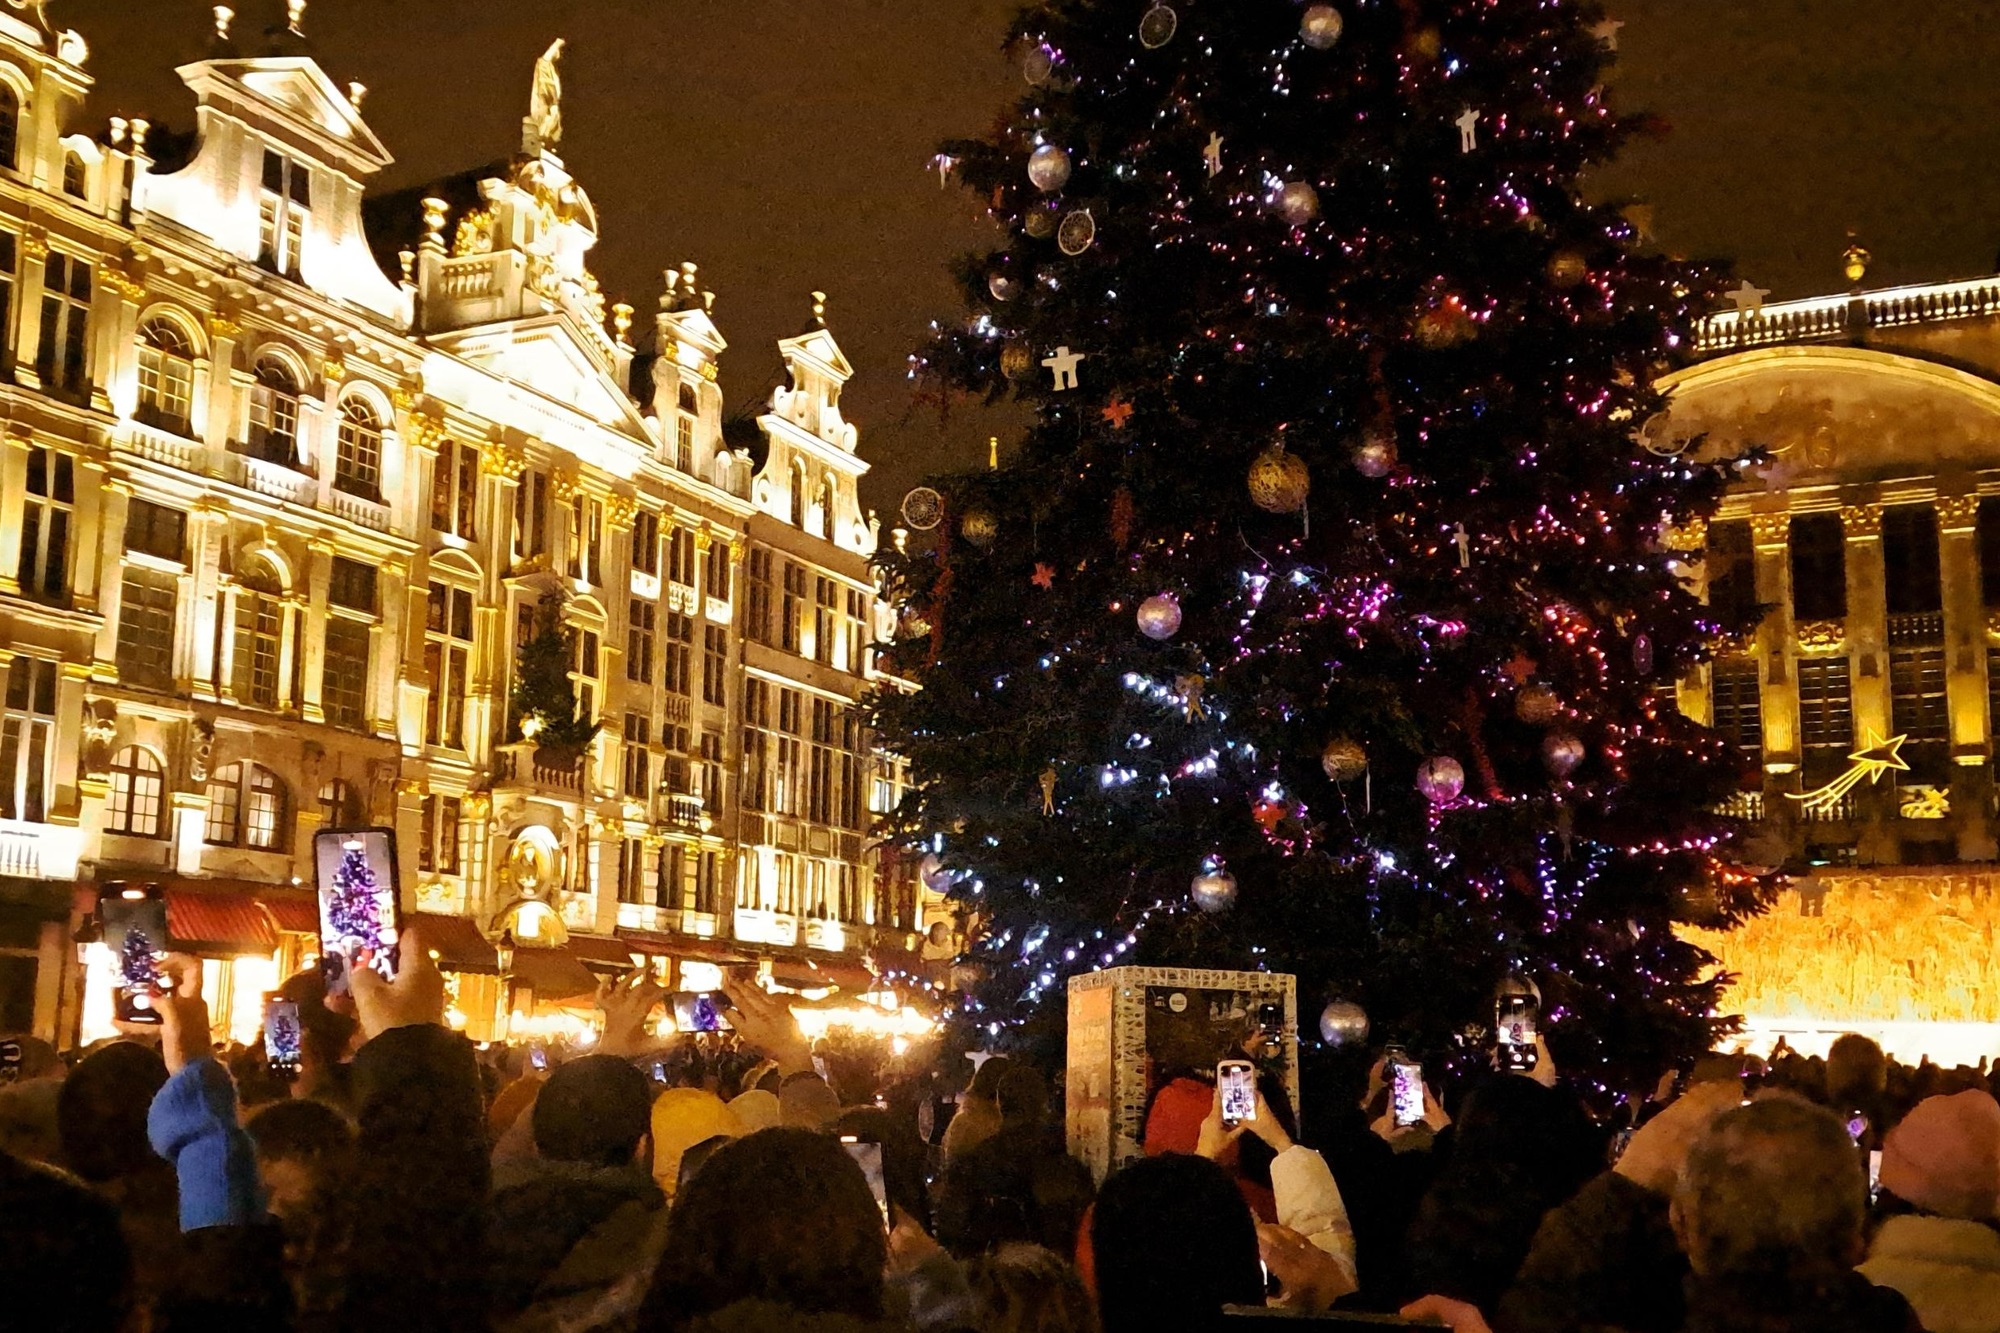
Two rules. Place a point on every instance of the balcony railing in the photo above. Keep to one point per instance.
(1830, 318)
(511, 765)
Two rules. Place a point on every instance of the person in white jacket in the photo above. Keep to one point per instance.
(1943, 1163)
(1310, 1250)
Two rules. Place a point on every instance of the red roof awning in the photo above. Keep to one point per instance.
(553, 974)
(457, 943)
(296, 910)
(216, 923)
(682, 946)
(603, 955)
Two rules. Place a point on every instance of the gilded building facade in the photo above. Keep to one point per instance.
(277, 515)
(1867, 699)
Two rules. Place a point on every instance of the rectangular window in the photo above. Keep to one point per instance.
(1826, 706)
(684, 442)
(282, 209)
(852, 767)
(155, 530)
(646, 542)
(531, 515)
(1739, 713)
(756, 793)
(677, 664)
(757, 615)
(638, 759)
(344, 691)
(1910, 567)
(1989, 549)
(858, 633)
(447, 663)
(718, 570)
(589, 665)
(27, 739)
(45, 524)
(792, 615)
(788, 787)
(147, 603)
(10, 248)
(1819, 567)
(62, 359)
(680, 557)
(826, 616)
(708, 883)
(714, 665)
(427, 832)
(710, 771)
(820, 766)
(258, 624)
(1732, 572)
(455, 489)
(639, 630)
(1917, 693)
(352, 585)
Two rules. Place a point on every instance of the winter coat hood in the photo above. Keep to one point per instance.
(543, 1210)
(1949, 1270)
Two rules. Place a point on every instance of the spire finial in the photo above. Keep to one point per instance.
(295, 14)
(819, 309)
(993, 453)
(1854, 262)
(224, 16)
(355, 92)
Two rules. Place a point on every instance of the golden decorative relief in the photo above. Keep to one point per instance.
(1861, 520)
(475, 805)
(474, 235)
(222, 326)
(708, 370)
(619, 509)
(1821, 636)
(1958, 513)
(35, 242)
(334, 371)
(502, 461)
(424, 431)
(563, 485)
(1771, 529)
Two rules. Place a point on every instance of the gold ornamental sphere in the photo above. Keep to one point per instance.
(1279, 481)
(1343, 759)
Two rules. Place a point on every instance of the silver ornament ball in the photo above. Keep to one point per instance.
(1562, 753)
(936, 878)
(1160, 616)
(1441, 779)
(1343, 1023)
(1048, 168)
(1002, 285)
(1320, 27)
(1375, 457)
(1214, 890)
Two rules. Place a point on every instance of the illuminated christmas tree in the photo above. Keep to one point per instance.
(351, 907)
(135, 959)
(1328, 617)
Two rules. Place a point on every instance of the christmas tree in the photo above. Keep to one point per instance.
(351, 907)
(1328, 617)
(544, 705)
(135, 959)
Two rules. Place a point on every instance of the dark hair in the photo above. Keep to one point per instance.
(101, 1111)
(986, 1079)
(1856, 1071)
(291, 1131)
(1023, 1095)
(1173, 1242)
(1027, 1289)
(902, 1158)
(593, 1110)
(64, 1263)
(1772, 1190)
(783, 1216)
(1021, 1185)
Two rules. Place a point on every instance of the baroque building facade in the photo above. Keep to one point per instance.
(1866, 700)
(276, 518)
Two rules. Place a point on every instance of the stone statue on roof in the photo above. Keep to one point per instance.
(545, 101)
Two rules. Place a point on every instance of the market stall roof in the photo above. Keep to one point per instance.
(296, 910)
(683, 946)
(553, 974)
(218, 922)
(606, 955)
(457, 942)
(815, 973)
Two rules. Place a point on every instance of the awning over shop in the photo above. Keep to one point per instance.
(818, 973)
(295, 910)
(693, 947)
(217, 923)
(605, 955)
(553, 974)
(457, 943)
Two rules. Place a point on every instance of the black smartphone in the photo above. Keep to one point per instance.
(1515, 1023)
(284, 1041)
(538, 1058)
(1406, 1090)
(134, 917)
(701, 1011)
(360, 906)
(868, 1156)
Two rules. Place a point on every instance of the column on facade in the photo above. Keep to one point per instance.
(412, 688)
(319, 429)
(86, 528)
(211, 620)
(115, 499)
(319, 576)
(500, 473)
(13, 492)
(28, 292)
(114, 326)
(1868, 642)
(1777, 649)
(1965, 676)
(391, 687)
(215, 417)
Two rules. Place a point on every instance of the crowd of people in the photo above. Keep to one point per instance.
(407, 1182)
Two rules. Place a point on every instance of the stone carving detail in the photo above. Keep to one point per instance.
(201, 748)
(1958, 513)
(1822, 636)
(1861, 520)
(1771, 529)
(100, 734)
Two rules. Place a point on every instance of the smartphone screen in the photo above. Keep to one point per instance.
(360, 920)
(1516, 1028)
(1874, 1174)
(135, 930)
(701, 1011)
(538, 1058)
(868, 1156)
(282, 1037)
(1406, 1081)
(1857, 1127)
(1236, 1081)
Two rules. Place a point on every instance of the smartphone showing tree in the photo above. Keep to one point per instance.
(360, 913)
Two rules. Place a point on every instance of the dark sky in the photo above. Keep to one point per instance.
(783, 145)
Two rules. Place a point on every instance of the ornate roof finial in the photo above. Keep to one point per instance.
(993, 453)
(819, 309)
(295, 14)
(1854, 262)
(542, 131)
(224, 16)
(355, 92)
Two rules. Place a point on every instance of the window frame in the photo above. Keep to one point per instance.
(131, 767)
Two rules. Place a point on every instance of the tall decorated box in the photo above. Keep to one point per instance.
(1131, 1029)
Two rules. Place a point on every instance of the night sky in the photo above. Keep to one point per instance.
(784, 146)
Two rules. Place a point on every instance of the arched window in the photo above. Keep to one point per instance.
(138, 793)
(337, 808)
(246, 808)
(260, 613)
(166, 374)
(274, 412)
(75, 183)
(358, 464)
(687, 400)
(10, 124)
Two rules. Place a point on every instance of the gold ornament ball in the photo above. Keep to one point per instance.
(1568, 268)
(1320, 27)
(1160, 616)
(1040, 221)
(1048, 168)
(1298, 203)
(1537, 705)
(1375, 456)
(1446, 326)
(1343, 1023)
(1562, 753)
(1017, 361)
(1214, 890)
(1426, 44)
(979, 527)
(1279, 481)
(1441, 779)
(1343, 759)
(1002, 285)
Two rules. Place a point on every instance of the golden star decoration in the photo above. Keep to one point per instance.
(1871, 761)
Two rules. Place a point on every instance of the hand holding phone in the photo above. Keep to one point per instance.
(360, 904)
(414, 998)
(284, 1040)
(1236, 1092)
(134, 917)
(1406, 1091)
(868, 1156)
